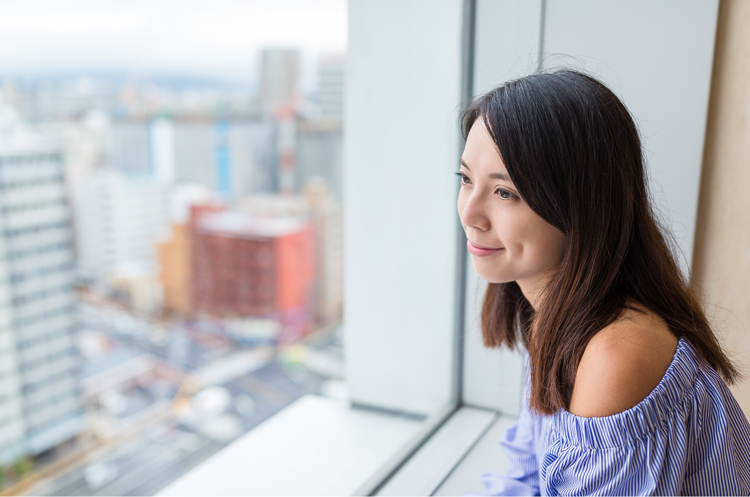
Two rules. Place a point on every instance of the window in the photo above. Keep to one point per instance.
(178, 194)
(199, 243)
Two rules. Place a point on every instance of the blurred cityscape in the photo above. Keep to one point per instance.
(170, 268)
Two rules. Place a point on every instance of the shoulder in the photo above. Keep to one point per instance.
(622, 364)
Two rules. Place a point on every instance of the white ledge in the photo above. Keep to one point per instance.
(486, 455)
(315, 446)
(423, 473)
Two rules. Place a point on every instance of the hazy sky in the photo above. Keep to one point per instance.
(209, 37)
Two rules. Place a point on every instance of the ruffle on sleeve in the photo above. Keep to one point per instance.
(640, 451)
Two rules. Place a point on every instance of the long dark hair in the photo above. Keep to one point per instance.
(574, 154)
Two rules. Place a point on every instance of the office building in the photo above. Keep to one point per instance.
(330, 94)
(119, 219)
(280, 78)
(328, 219)
(326, 215)
(237, 157)
(174, 263)
(39, 398)
(319, 154)
(253, 266)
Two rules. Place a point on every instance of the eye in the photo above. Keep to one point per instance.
(463, 178)
(505, 194)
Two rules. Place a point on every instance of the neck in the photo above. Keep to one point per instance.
(532, 288)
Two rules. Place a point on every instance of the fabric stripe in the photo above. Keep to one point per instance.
(688, 437)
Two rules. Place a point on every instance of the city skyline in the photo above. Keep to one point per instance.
(171, 268)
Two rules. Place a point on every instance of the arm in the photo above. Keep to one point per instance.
(522, 477)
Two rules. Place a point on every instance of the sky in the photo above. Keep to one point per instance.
(213, 38)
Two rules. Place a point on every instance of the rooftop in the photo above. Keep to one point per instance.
(243, 225)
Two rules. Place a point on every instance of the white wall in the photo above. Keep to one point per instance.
(657, 56)
(400, 153)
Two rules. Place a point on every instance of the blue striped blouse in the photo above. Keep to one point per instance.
(688, 437)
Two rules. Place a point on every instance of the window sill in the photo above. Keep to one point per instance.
(315, 446)
(485, 455)
(436, 460)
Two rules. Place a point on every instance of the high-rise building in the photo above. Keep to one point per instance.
(330, 94)
(286, 148)
(241, 151)
(119, 220)
(280, 78)
(223, 160)
(39, 399)
(235, 156)
(319, 153)
(328, 219)
(130, 147)
(145, 147)
(162, 148)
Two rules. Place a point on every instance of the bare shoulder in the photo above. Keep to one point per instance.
(622, 364)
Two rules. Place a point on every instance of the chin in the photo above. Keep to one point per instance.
(498, 280)
(493, 277)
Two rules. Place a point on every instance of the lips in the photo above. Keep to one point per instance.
(481, 251)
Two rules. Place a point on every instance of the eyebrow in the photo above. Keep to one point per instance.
(500, 176)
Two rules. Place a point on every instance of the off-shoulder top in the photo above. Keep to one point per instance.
(688, 437)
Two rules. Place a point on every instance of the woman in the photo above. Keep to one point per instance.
(624, 390)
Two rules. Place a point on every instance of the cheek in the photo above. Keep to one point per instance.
(514, 229)
(535, 238)
(546, 241)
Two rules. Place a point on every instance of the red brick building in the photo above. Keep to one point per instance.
(249, 266)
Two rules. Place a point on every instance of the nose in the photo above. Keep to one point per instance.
(472, 212)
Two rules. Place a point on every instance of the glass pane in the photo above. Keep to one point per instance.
(170, 232)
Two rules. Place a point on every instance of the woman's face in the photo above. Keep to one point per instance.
(507, 240)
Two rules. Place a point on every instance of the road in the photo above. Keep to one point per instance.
(148, 462)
